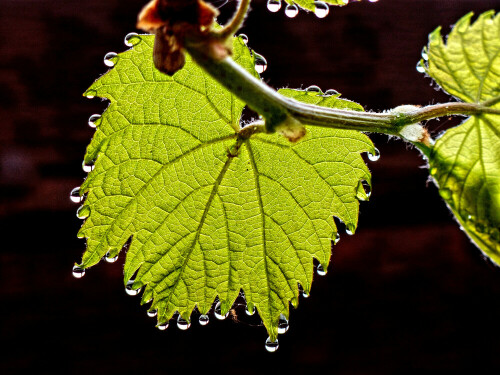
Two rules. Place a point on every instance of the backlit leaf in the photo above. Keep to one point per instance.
(465, 161)
(209, 209)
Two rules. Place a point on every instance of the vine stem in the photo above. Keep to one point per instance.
(232, 26)
(278, 110)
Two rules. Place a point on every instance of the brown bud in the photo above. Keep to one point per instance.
(171, 21)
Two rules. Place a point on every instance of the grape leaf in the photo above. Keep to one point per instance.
(465, 161)
(210, 209)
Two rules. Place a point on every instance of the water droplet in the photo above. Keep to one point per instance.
(291, 10)
(313, 89)
(372, 1)
(305, 294)
(204, 319)
(321, 9)
(349, 229)
(420, 66)
(273, 5)
(282, 325)
(75, 195)
(87, 167)
(83, 212)
(250, 312)
(94, 120)
(271, 346)
(331, 92)
(78, 272)
(375, 156)
(152, 313)
(425, 56)
(90, 94)
(260, 63)
(244, 38)
(363, 191)
(337, 238)
(218, 312)
(320, 270)
(163, 326)
(110, 59)
(182, 323)
(132, 39)
(129, 290)
(110, 258)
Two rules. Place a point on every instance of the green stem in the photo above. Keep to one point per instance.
(232, 26)
(276, 108)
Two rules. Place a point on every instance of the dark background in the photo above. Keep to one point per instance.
(407, 294)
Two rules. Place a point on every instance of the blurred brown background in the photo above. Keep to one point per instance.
(407, 294)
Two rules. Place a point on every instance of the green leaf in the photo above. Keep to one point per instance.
(210, 210)
(465, 161)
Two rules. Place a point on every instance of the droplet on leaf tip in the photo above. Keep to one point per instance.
(260, 63)
(244, 38)
(182, 323)
(110, 258)
(78, 272)
(274, 5)
(218, 312)
(271, 346)
(87, 168)
(337, 238)
(94, 121)
(313, 89)
(420, 66)
(424, 54)
(90, 94)
(132, 39)
(74, 196)
(283, 324)
(291, 10)
(162, 326)
(152, 313)
(320, 270)
(129, 290)
(204, 320)
(83, 212)
(331, 92)
(363, 191)
(375, 155)
(321, 9)
(110, 59)
(250, 312)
